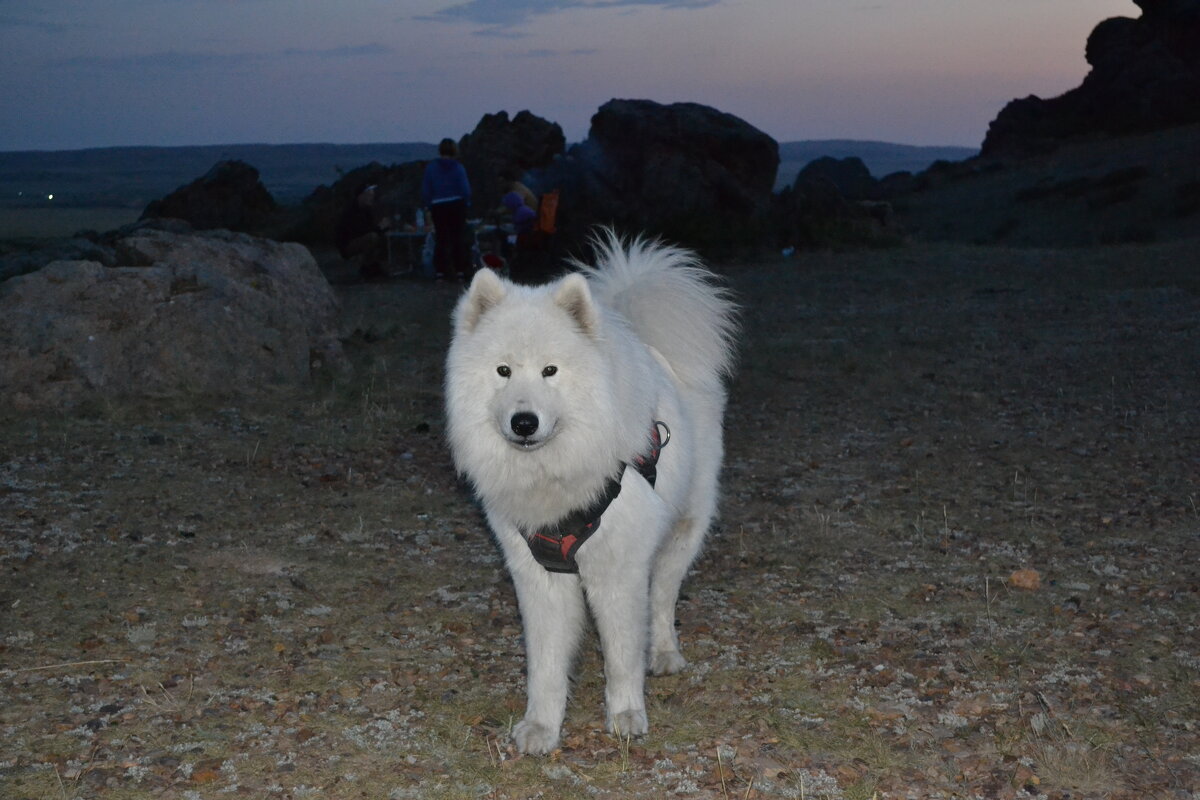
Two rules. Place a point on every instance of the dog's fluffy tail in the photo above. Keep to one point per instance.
(673, 302)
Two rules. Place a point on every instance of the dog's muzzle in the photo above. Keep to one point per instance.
(523, 431)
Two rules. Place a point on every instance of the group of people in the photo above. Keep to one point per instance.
(446, 194)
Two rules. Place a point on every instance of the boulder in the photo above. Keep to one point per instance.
(1145, 76)
(497, 143)
(836, 202)
(77, 248)
(524, 143)
(849, 176)
(229, 196)
(212, 314)
(687, 171)
(398, 196)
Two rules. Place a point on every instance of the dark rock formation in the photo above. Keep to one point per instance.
(229, 196)
(1145, 76)
(849, 176)
(835, 202)
(214, 314)
(686, 171)
(77, 248)
(1089, 191)
(398, 196)
(498, 144)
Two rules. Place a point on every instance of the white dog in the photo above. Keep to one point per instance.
(559, 400)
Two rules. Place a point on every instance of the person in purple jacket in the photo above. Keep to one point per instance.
(446, 191)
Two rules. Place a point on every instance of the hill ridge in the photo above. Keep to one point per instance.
(132, 175)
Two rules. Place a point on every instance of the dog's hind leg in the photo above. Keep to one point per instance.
(554, 616)
(671, 565)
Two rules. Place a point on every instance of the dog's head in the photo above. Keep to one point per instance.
(526, 358)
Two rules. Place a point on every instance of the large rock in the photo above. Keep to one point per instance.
(77, 248)
(213, 314)
(1145, 76)
(833, 203)
(498, 144)
(229, 196)
(398, 197)
(687, 171)
(849, 176)
(525, 142)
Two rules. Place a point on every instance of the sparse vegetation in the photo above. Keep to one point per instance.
(298, 599)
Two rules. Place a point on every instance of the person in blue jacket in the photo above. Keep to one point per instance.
(446, 191)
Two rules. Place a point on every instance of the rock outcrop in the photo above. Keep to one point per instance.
(836, 202)
(687, 171)
(498, 144)
(849, 176)
(1145, 76)
(77, 248)
(523, 143)
(398, 196)
(230, 196)
(214, 314)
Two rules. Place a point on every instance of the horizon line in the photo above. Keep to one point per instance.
(424, 143)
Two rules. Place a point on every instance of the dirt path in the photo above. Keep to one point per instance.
(959, 557)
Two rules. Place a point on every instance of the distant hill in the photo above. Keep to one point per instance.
(882, 158)
(130, 177)
(133, 176)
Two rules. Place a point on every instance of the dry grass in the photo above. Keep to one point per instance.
(300, 600)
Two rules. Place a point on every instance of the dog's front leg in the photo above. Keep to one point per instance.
(620, 606)
(553, 614)
(614, 567)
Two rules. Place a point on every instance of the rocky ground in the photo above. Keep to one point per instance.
(959, 557)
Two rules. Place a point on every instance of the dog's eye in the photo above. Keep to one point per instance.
(504, 371)
(548, 371)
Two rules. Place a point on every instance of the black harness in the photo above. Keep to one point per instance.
(554, 546)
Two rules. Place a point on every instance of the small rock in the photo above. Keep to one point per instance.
(1028, 579)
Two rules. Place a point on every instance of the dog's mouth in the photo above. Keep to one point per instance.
(526, 443)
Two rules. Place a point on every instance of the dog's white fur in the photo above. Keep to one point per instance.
(644, 335)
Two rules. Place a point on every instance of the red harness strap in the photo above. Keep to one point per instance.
(554, 546)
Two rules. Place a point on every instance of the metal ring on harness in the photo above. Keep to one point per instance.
(664, 435)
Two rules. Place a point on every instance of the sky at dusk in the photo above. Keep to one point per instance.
(97, 73)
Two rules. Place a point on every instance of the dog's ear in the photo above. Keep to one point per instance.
(573, 296)
(485, 292)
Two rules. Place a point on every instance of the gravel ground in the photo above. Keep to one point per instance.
(957, 558)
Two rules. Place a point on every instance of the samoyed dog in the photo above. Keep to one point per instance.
(587, 414)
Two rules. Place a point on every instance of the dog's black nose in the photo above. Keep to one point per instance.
(524, 423)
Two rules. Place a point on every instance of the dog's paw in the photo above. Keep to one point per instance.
(534, 738)
(629, 723)
(666, 662)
